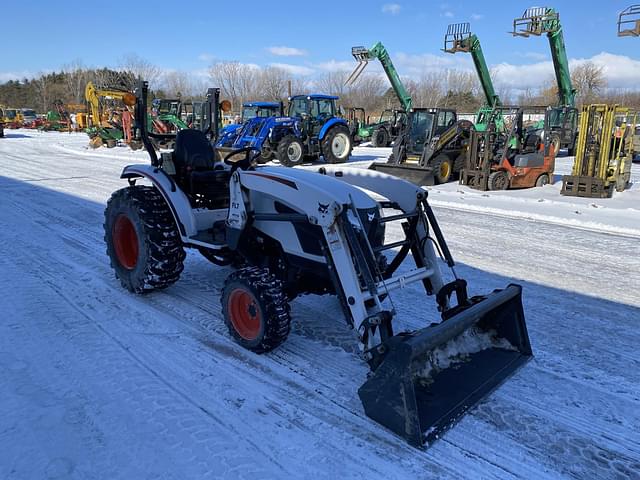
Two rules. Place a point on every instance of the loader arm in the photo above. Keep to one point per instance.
(458, 131)
(363, 56)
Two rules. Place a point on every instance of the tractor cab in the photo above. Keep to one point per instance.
(425, 124)
(261, 110)
(313, 110)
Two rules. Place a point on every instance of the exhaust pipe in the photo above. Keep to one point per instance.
(429, 378)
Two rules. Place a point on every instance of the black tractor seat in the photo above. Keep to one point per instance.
(195, 162)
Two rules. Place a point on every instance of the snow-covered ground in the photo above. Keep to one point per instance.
(99, 383)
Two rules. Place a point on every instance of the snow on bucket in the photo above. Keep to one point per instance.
(431, 377)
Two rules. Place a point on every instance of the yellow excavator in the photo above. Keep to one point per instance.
(107, 125)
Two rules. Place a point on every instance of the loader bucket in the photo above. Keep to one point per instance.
(429, 378)
(412, 173)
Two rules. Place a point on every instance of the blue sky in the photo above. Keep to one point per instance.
(45, 35)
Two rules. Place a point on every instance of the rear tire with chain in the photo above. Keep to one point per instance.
(143, 242)
(255, 309)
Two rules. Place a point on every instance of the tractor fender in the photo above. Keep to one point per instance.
(330, 123)
(176, 199)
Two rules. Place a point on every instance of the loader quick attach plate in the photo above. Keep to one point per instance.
(419, 405)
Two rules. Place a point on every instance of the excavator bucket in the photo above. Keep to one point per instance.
(629, 22)
(429, 378)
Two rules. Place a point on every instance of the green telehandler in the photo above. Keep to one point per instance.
(460, 39)
(431, 147)
(563, 119)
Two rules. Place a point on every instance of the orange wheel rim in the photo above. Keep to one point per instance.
(245, 314)
(125, 242)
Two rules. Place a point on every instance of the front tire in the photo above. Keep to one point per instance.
(337, 145)
(255, 309)
(442, 169)
(143, 242)
(498, 180)
(290, 151)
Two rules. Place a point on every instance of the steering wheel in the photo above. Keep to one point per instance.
(247, 162)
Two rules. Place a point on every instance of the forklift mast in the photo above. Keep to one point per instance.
(364, 55)
(536, 21)
(460, 39)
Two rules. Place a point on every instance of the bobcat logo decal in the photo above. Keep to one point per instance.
(323, 208)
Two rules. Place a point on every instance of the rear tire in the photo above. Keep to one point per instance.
(498, 180)
(143, 242)
(337, 145)
(442, 169)
(380, 138)
(290, 151)
(255, 309)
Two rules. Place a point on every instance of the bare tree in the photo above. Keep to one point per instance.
(141, 69)
(43, 85)
(179, 84)
(589, 81)
(332, 83)
(237, 80)
(75, 81)
(271, 84)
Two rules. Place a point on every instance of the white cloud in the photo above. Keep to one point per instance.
(448, 14)
(294, 69)
(286, 51)
(206, 57)
(620, 71)
(20, 75)
(416, 65)
(391, 8)
(476, 16)
(334, 65)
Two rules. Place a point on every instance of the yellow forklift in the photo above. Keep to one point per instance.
(604, 152)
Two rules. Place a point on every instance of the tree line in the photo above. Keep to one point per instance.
(457, 89)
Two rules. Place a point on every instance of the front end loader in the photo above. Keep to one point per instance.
(604, 152)
(321, 230)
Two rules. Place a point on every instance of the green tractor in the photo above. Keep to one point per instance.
(381, 132)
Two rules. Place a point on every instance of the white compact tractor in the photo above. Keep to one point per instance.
(290, 231)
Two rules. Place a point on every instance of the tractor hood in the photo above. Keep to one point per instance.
(306, 180)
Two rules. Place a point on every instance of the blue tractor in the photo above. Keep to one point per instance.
(250, 110)
(310, 130)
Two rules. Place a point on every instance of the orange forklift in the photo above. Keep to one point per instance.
(510, 154)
